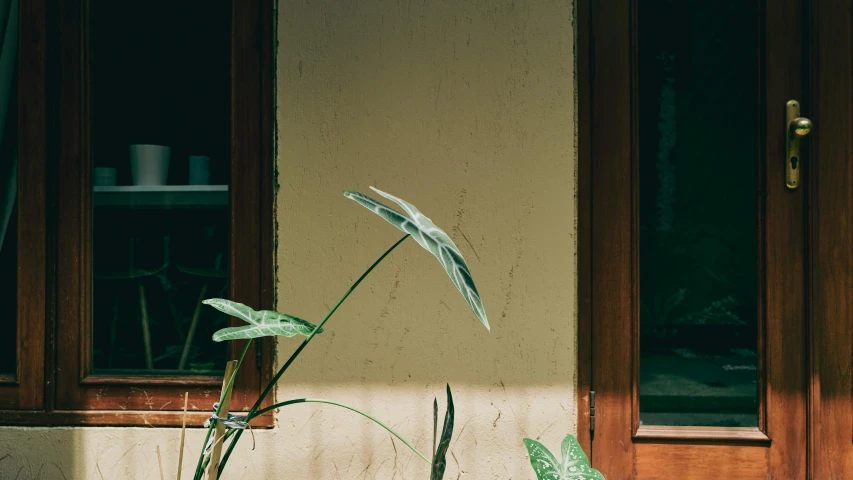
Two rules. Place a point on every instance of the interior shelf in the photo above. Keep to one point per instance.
(161, 196)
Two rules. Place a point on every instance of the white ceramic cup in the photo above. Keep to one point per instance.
(149, 164)
(104, 177)
(199, 170)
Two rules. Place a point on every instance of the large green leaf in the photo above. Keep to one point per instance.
(439, 460)
(544, 464)
(432, 238)
(234, 309)
(264, 323)
(575, 464)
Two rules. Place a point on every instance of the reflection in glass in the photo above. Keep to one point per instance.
(698, 80)
(161, 124)
(8, 282)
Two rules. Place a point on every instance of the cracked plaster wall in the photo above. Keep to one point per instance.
(466, 109)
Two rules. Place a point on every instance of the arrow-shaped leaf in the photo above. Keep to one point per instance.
(234, 309)
(264, 323)
(544, 464)
(575, 464)
(433, 239)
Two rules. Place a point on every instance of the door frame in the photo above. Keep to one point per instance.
(584, 214)
(828, 179)
(831, 252)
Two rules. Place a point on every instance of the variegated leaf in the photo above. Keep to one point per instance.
(595, 475)
(234, 309)
(544, 464)
(264, 323)
(575, 463)
(433, 239)
(284, 329)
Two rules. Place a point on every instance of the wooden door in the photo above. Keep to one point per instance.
(830, 213)
(719, 301)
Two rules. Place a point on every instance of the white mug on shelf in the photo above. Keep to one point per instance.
(149, 164)
(104, 177)
(199, 170)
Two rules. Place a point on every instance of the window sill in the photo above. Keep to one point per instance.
(184, 380)
(114, 418)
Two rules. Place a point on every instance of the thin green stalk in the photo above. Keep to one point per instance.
(330, 402)
(302, 346)
(228, 434)
(199, 468)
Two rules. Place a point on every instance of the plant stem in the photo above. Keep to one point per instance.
(330, 402)
(199, 469)
(228, 434)
(302, 346)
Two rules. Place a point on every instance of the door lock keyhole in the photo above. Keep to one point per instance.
(797, 128)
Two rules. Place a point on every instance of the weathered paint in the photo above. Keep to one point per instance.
(466, 109)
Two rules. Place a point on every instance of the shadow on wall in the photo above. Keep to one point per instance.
(393, 331)
(57, 447)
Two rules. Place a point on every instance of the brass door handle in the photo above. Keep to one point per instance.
(797, 127)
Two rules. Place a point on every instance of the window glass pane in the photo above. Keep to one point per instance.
(161, 129)
(9, 232)
(698, 80)
(8, 276)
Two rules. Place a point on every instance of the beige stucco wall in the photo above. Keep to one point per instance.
(466, 109)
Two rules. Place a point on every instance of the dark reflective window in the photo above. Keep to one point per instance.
(698, 81)
(161, 126)
(8, 280)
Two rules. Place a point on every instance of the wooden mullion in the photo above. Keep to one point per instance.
(72, 224)
(246, 175)
(52, 96)
(266, 253)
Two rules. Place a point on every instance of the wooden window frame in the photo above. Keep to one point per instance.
(25, 388)
(54, 384)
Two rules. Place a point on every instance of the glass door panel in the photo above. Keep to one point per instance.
(9, 280)
(160, 87)
(9, 184)
(698, 228)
